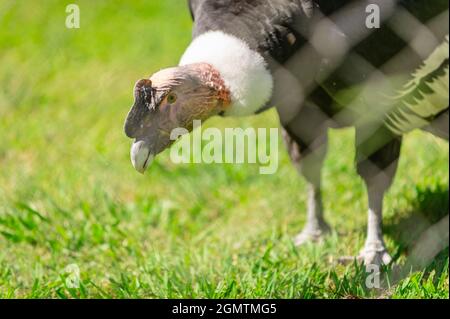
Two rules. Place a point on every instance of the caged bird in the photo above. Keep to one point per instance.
(322, 64)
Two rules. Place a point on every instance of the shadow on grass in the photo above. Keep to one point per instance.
(430, 207)
(419, 233)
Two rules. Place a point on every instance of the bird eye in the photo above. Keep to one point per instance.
(171, 98)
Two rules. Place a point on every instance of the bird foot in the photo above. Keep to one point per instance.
(377, 257)
(372, 254)
(312, 234)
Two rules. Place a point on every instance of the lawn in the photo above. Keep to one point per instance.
(69, 196)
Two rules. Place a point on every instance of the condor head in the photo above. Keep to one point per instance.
(170, 99)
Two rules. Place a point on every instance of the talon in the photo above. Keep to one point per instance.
(375, 256)
(312, 234)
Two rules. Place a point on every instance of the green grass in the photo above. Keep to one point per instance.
(69, 195)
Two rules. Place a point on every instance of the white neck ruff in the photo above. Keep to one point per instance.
(244, 71)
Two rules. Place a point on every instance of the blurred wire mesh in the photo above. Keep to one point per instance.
(332, 41)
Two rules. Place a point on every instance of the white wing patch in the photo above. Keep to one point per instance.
(425, 96)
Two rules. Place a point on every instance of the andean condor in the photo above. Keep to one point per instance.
(321, 66)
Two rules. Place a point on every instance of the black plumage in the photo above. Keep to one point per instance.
(324, 50)
(280, 29)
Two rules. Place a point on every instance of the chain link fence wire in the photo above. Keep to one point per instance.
(333, 39)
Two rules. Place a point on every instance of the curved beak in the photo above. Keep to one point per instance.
(141, 157)
(147, 125)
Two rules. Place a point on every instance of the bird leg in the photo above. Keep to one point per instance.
(315, 227)
(308, 158)
(374, 251)
(377, 154)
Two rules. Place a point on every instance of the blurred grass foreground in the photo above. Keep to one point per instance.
(71, 203)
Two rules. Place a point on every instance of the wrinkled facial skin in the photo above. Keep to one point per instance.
(171, 98)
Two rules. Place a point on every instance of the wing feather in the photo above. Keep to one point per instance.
(193, 6)
(425, 96)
